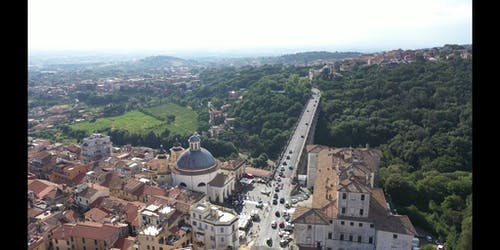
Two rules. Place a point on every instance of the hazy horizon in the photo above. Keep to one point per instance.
(260, 27)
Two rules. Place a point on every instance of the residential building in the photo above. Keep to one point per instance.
(96, 147)
(88, 236)
(214, 227)
(158, 228)
(85, 195)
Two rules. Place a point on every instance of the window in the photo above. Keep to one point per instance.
(341, 237)
(342, 222)
(212, 228)
(362, 197)
(309, 226)
(330, 235)
(161, 248)
(233, 227)
(395, 236)
(343, 210)
(72, 239)
(331, 221)
(194, 216)
(84, 248)
(352, 223)
(153, 248)
(206, 227)
(199, 216)
(147, 247)
(328, 248)
(344, 196)
(57, 248)
(360, 224)
(67, 242)
(370, 240)
(359, 238)
(83, 240)
(222, 239)
(57, 241)
(350, 237)
(222, 230)
(194, 223)
(95, 242)
(371, 225)
(361, 212)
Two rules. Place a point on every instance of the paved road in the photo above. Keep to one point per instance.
(293, 150)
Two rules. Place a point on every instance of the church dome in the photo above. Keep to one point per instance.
(195, 160)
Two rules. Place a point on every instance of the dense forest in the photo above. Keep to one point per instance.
(272, 99)
(420, 116)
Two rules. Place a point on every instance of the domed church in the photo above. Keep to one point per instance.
(196, 169)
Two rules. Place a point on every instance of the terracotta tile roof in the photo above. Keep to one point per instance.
(43, 188)
(33, 212)
(88, 230)
(69, 216)
(258, 172)
(231, 164)
(153, 190)
(112, 181)
(123, 243)
(312, 216)
(218, 181)
(132, 185)
(95, 214)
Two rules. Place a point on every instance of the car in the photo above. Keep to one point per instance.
(307, 123)
(275, 196)
(279, 179)
(275, 202)
(294, 201)
(282, 200)
(273, 224)
(440, 247)
(290, 151)
(284, 163)
(260, 205)
(288, 157)
(287, 205)
(428, 238)
(302, 136)
(276, 189)
(283, 243)
(277, 214)
(269, 241)
(282, 224)
(290, 167)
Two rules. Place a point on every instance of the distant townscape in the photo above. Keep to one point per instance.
(315, 150)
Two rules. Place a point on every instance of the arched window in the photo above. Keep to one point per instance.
(183, 184)
(202, 184)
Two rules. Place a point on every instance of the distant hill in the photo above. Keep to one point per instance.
(162, 61)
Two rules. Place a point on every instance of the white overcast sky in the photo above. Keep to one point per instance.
(238, 25)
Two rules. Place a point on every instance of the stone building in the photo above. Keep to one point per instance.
(348, 209)
(96, 147)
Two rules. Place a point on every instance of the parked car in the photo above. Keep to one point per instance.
(282, 200)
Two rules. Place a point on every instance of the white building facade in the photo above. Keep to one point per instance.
(96, 146)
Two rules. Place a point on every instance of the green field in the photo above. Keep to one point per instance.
(140, 123)
(186, 120)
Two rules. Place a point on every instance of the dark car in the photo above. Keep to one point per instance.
(277, 214)
(275, 202)
(276, 189)
(282, 200)
(275, 196)
(269, 241)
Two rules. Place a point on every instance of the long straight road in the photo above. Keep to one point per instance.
(293, 150)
